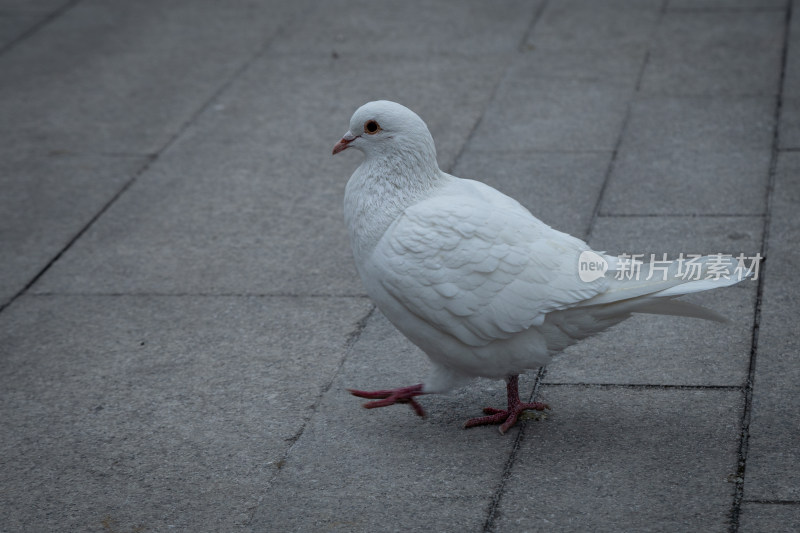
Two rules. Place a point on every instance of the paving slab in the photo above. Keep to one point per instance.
(679, 234)
(790, 108)
(688, 182)
(663, 350)
(567, 90)
(612, 26)
(249, 192)
(652, 349)
(599, 43)
(73, 85)
(625, 460)
(547, 115)
(774, 432)
(791, 83)
(582, 65)
(704, 124)
(694, 5)
(379, 31)
(790, 124)
(559, 188)
(716, 52)
(47, 200)
(112, 421)
(121, 414)
(13, 26)
(693, 155)
(769, 518)
(360, 470)
(20, 16)
(32, 6)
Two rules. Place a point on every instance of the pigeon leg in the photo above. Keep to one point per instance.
(392, 396)
(507, 417)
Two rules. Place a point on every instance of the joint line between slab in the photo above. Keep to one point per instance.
(493, 92)
(494, 504)
(623, 128)
(497, 497)
(47, 19)
(730, 9)
(678, 215)
(773, 502)
(154, 157)
(79, 234)
(646, 386)
(744, 440)
(153, 294)
(352, 339)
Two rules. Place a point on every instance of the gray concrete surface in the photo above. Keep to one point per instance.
(180, 317)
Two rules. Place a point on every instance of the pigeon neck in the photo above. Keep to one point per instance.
(407, 173)
(409, 166)
(381, 189)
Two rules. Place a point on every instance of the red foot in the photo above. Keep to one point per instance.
(506, 417)
(392, 396)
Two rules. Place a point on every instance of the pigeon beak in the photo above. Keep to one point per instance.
(344, 143)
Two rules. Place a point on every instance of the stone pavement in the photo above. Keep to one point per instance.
(180, 315)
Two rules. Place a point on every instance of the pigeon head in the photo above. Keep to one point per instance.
(384, 129)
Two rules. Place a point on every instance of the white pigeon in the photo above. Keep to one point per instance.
(472, 277)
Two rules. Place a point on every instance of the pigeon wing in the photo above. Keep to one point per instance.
(478, 266)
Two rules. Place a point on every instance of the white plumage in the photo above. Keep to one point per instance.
(468, 274)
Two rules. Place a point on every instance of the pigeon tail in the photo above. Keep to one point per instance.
(654, 293)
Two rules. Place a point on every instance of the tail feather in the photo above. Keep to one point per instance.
(655, 295)
(679, 308)
(638, 295)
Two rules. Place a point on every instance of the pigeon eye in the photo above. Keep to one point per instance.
(371, 127)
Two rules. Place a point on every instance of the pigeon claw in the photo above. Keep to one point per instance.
(392, 396)
(505, 417)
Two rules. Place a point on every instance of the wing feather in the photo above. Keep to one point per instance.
(478, 266)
